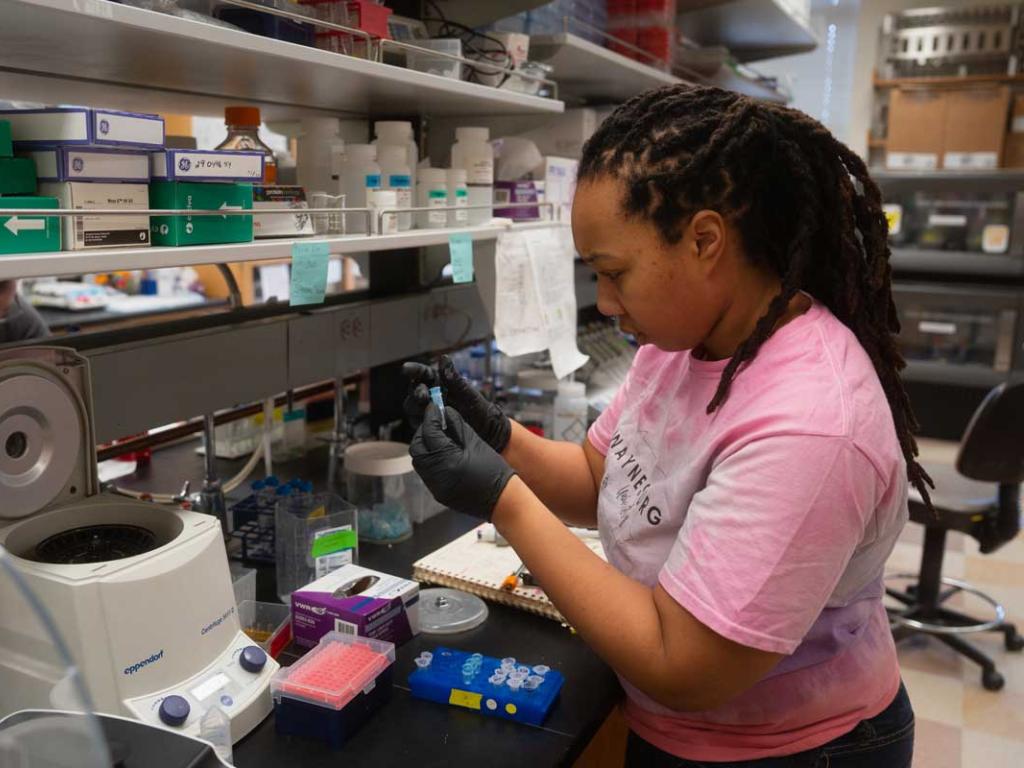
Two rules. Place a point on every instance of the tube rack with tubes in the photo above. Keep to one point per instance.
(493, 687)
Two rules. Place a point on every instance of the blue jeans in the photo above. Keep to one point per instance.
(884, 741)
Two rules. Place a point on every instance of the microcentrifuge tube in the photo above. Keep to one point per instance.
(435, 397)
(496, 679)
(422, 663)
(531, 683)
(523, 670)
(535, 679)
(427, 655)
(541, 669)
(514, 684)
(508, 661)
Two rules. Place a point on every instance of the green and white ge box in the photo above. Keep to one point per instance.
(29, 234)
(200, 230)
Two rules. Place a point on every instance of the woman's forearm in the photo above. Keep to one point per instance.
(558, 473)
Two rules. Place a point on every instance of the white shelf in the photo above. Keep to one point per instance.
(592, 73)
(103, 53)
(752, 30)
(65, 263)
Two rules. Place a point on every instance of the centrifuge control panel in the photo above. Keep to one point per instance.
(238, 682)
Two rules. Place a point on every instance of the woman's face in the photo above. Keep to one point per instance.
(669, 295)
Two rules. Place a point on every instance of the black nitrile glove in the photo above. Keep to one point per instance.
(462, 471)
(486, 418)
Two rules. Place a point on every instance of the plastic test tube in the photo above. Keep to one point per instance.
(435, 396)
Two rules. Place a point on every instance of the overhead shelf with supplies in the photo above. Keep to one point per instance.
(752, 30)
(63, 263)
(136, 59)
(592, 73)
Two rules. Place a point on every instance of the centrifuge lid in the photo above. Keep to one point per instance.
(378, 458)
(47, 449)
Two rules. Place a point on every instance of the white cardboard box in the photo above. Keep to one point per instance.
(87, 232)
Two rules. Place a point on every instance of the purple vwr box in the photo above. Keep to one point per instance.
(516, 192)
(356, 601)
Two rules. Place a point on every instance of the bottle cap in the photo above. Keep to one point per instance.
(246, 117)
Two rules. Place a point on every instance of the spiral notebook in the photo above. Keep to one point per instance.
(479, 567)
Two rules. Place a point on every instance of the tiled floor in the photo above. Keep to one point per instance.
(959, 723)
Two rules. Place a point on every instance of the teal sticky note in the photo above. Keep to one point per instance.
(460, 248)
(309, 273)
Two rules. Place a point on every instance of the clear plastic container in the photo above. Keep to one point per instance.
(215, 727)
(422, 61)
(243, 125)
(315, 534)
(383, 486)
(244, 580)
(268, 624)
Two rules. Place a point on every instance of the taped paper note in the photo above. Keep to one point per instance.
(535, 306)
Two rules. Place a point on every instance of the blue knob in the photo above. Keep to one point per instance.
(174, 710)
(252, 659)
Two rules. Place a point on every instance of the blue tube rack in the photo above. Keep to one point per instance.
(443, 676)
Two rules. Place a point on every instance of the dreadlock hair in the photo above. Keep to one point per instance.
(803, 203)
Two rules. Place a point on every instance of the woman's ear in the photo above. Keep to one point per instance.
(707, 234)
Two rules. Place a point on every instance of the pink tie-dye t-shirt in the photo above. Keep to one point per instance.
(770, 521)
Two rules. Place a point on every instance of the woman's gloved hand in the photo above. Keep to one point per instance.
(462, 471)
(485, 418)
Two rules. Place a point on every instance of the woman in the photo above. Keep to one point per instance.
(750, 477)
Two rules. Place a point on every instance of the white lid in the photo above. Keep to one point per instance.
(572, 388)
(392, 154)
(384, 198)
(398, 129)
(378, 458)
(456, 175)
(432, 176)
(361, 152)
(472, 134)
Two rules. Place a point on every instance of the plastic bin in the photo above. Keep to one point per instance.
(314, 534)
(331, 691)
(244, 580)
(422, 61)
(388, 493)
(268, 624)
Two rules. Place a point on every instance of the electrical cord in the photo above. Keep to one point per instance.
(479, 44)
(229, 486)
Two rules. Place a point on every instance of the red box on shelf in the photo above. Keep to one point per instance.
(625, 35)
(370, 17)
(657, 42)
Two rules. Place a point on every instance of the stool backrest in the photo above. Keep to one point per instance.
(992, 449)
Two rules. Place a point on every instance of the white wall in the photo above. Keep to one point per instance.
(821, 80)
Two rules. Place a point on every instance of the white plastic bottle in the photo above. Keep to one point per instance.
(399, 133)
(395, 174)
(215, 727)
(458, 197)
(359, 174)
(384, 200)
(571, 411)
(472, 152)
(432, 192)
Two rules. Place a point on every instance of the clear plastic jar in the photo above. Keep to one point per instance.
(381, 483)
